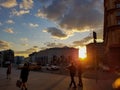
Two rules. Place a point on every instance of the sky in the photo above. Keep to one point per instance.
(28, 26)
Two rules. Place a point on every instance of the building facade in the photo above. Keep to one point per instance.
(55, 56)
(112, 31)
(7, 56)
(95, 54)
(18, 59)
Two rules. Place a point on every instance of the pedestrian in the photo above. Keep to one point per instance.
(72, 70)
(80, 74)
(24, 76)
(8, 71)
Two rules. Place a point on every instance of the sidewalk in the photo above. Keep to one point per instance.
(47, 81)
(99, 80)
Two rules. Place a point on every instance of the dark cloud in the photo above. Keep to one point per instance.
(55, 32)
(75, 14)
(4, 45)
(51, 45)
(55, 10)
(83, 14)
(83, 42)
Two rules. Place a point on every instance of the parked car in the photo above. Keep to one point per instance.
(52, 67)
(20, 66)
(32, 66)
(35, 67)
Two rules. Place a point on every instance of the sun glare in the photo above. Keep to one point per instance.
(82, 52)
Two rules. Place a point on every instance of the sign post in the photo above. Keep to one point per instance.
(95, 53)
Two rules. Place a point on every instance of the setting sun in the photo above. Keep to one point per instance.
(82, 52)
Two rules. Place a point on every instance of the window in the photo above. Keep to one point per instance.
(118, 21)
(117, 5)
(118, 13)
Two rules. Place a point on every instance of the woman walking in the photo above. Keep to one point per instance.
(24, 76)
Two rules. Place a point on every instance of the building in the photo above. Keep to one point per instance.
(18, 59)
(55, 56)
(7, 56)
(112, 31)
(95, 54)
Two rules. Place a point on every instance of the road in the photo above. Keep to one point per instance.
(48, 81)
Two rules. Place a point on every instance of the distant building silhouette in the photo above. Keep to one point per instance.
(112, 31)
(55, 55)
(7, 56)
(18, 59)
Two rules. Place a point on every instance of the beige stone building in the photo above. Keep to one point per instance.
(112, 31)
(55, 55)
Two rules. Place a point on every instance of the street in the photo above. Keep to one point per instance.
(48, 81)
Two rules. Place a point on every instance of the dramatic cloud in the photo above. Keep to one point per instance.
(51, 45)
(9, 30)
(4, 45)
(56, 33)
(33, 25)
(8, 3)
(10, 22)
(84, 41)
(74, 15)
(53, 11)
(26, 4)
(19, 13)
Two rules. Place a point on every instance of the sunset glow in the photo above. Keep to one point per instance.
(82, 52)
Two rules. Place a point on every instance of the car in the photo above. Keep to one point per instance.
(32, 66)
(52, 67)
(20, 66)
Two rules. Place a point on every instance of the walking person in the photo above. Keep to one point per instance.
(24, 76)
(8, 71)
(72, 70)
(80, 74)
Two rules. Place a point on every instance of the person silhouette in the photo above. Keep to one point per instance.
(24, 76)
(80, 74)
(72, 70)
(8, 71)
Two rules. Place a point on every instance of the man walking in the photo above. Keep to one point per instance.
(72, 70)
(80, 74)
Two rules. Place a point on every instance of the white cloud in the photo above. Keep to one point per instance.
(40, 14)
(9, 30)
(24, 39)
(26, 4)
(8, 3)
(19, 13)
(33, 25)
(10, 22)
